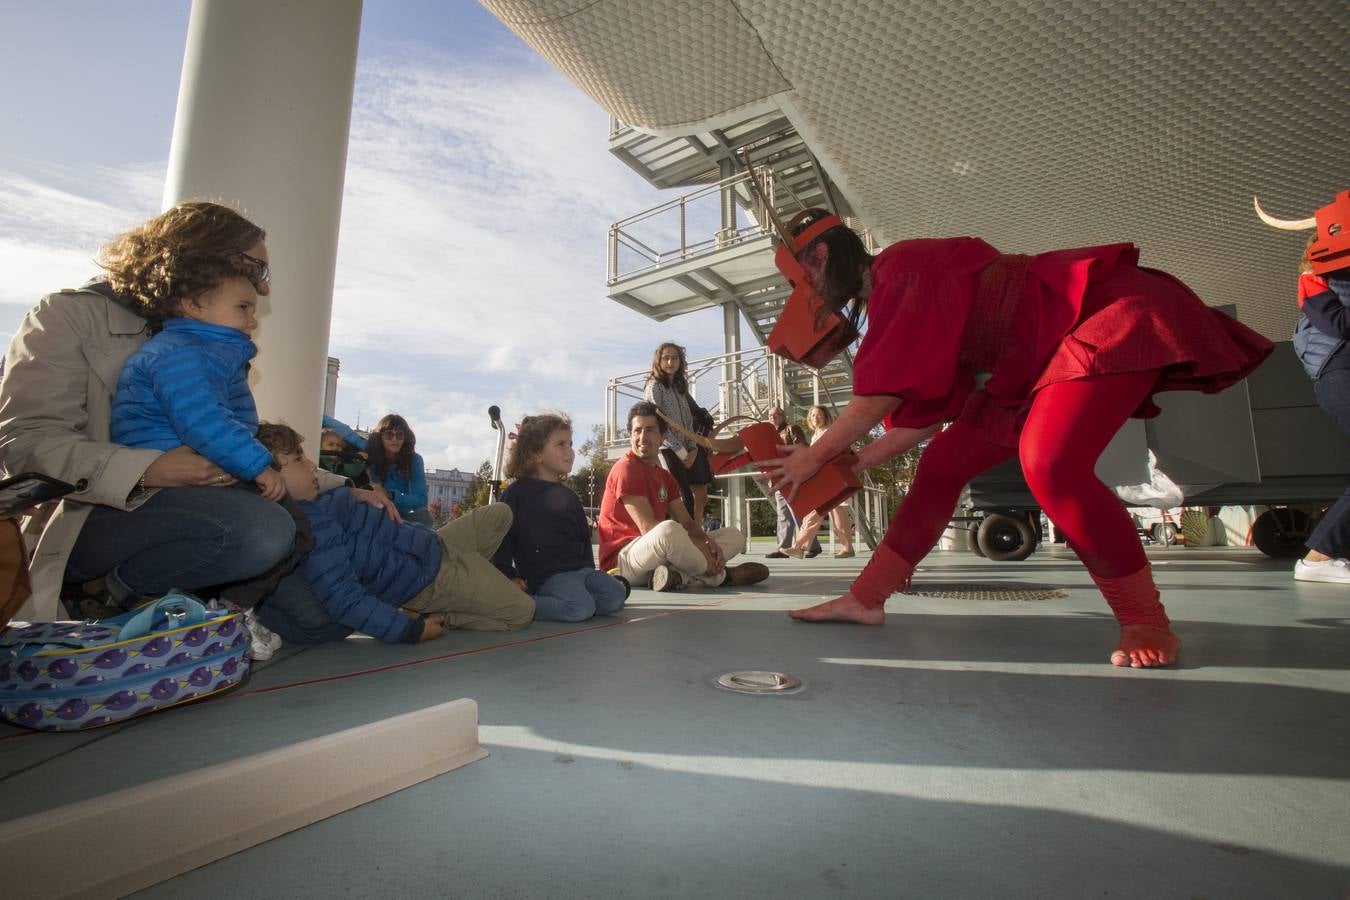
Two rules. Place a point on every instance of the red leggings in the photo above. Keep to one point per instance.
(1069, 426)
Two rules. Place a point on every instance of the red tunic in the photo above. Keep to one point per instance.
(1069, 314)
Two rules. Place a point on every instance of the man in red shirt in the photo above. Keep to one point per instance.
(638, 539)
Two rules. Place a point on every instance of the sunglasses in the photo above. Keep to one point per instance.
(262, 271)
(396, 433)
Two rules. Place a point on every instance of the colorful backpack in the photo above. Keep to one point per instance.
(65, 676)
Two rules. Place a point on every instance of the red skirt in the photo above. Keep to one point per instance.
(1142, 319)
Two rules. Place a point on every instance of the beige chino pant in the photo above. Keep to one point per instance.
(468, 589)
(669, 544)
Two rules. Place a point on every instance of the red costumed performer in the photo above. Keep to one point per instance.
(1067, 346)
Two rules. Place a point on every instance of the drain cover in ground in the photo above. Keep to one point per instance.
(759, 682)
(961, 590)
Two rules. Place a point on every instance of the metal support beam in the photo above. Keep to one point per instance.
(731, 404)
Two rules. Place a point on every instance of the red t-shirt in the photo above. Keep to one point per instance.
(631, 477)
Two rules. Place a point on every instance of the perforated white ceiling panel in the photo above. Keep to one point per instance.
(1032, 124)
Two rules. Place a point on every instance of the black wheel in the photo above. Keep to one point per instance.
(974, 540)
(1280, 532)
(1164, 533)
(1006, 538)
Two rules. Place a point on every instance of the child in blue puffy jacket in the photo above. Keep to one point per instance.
(364, 567)
(188, 385)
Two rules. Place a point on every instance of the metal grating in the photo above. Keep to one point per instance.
(1035, 124)
(1002, 591)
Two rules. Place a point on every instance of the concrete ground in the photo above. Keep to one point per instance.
(975, 746)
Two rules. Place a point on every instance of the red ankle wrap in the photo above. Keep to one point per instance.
(886, 573)
(1134, 599)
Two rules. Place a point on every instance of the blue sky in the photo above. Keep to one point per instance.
(470, 159)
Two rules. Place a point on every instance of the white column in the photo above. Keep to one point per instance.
(731, 380)
(264, 110)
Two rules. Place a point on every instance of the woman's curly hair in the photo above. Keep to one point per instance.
(531, 438)
(180, 253)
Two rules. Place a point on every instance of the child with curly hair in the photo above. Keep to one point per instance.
(548, 550)
(188, 385)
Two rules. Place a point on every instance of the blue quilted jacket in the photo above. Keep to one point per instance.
(364, 567)
(189, 385)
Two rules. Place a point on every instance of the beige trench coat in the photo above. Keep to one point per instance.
(55, 410)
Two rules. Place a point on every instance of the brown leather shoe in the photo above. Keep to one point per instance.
(746, 573)
(664, 578)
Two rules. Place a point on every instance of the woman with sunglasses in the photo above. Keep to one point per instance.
(396, 469)
(1041, 357)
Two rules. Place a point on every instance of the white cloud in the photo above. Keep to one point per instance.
(471, 267)
(472, 255)
(50, 230)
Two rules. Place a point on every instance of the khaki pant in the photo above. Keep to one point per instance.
(468, 589)
(670, 544)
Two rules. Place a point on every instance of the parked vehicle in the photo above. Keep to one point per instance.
(1301, 465)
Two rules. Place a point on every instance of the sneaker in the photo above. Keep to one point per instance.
(667, 579)
(794, 553)
(845, 554)
(265, 640)
(777, 554)
(1333, 571)
(746, 573)
(813, 553)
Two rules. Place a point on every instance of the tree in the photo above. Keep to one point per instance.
(589, 480)
(894, 477)
(480, 487)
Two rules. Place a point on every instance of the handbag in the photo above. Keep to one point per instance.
(67, 676)
(701, 418)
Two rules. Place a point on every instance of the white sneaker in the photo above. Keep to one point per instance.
(265, 640)
(1333, 571)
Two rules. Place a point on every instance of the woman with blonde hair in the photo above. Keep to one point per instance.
(841, 519)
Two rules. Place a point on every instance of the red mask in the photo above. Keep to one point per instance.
(1330, 251)
(808, 331)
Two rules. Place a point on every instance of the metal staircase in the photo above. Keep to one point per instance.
(707, 247)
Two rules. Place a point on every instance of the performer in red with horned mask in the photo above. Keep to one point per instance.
(1040, 356)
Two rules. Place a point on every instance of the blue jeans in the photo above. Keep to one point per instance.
(577, 595)
(186, 538)
(1332, 534)
(295, 613)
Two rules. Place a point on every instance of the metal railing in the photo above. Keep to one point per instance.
(758, 384)
(631, 241)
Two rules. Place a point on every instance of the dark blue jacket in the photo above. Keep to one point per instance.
(548, 532)
(364, 567)
(188, 385)
(1322, 337)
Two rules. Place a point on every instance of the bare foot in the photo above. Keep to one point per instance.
(841, 609)
(1145, 647)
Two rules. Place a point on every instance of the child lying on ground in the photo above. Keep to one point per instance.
(364, 567)
(549, 543)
